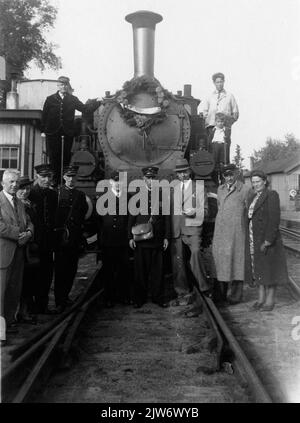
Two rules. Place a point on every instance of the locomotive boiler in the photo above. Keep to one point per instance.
(144, 124)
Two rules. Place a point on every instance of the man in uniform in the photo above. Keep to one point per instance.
(44, 203)
(148, 254)
(187, 226)
(58, 120)
(113, 241)
(72, 208)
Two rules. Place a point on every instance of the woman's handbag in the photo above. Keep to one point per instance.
(143, 231)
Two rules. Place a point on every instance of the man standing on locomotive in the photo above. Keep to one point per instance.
(58, 120)
(72, 208)
(220, 101)
(187, 261)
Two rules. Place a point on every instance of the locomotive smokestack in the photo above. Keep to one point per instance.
(143, 25)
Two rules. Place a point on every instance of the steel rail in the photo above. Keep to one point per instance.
(56, 333)
(20, 349)
(240, 362)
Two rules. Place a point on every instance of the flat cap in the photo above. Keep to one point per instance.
(181, 165)
(229, 168)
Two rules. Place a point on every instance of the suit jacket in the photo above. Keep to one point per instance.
(160, 224)
(113, 228)
(44, 203)
(195, 197)
(72, 208)
(58, 114)
(11, 225)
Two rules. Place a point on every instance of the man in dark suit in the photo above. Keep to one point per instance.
(44, 203)
(148, 254)
(15, 231)
(113, 242)
(72, 208)
(187, 223)
(58, 120)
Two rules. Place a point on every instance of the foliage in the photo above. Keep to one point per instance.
(23, 24)
(139, 85)
(277, 149)
(238, 159)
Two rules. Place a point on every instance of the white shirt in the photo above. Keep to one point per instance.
(186, 184)
(223, 102)
(219, 135)
(9, 197)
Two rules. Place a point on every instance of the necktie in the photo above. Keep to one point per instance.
(16, 209)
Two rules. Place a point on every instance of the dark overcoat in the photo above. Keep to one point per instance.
(44, 203)
(113, 228)
(72, 208)
(270, 268)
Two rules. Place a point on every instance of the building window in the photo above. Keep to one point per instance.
(9, 157)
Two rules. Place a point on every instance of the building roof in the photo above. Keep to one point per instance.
(284, 165)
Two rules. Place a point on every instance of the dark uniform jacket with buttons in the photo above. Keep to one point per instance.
(113, 227)
(161, 224)
(72, 208)
(270, 268)
(44, 204)
(58, 113)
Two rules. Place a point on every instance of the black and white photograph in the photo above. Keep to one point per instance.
(149, 205)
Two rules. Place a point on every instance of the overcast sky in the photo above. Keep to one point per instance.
(256, 43)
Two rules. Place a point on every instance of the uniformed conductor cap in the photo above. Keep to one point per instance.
(43, 170)
(64, 80)
(150, 172)
(24, 181)
(229, 169)
(71, 170)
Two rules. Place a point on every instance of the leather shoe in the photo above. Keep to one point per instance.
(137, 305)
(163, 305)
(257, 306)
(12, 330)
(267, 307)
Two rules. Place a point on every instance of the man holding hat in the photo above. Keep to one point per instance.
(187, 225)
(58, 120)
(229, 236)
(113, 242)
(72, 208)
(44, 203)
(148, 253)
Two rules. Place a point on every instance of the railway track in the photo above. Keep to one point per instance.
(33, 360)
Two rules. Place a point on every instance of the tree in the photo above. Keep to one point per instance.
(23, 24)
(238, 159)
(277, 149)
